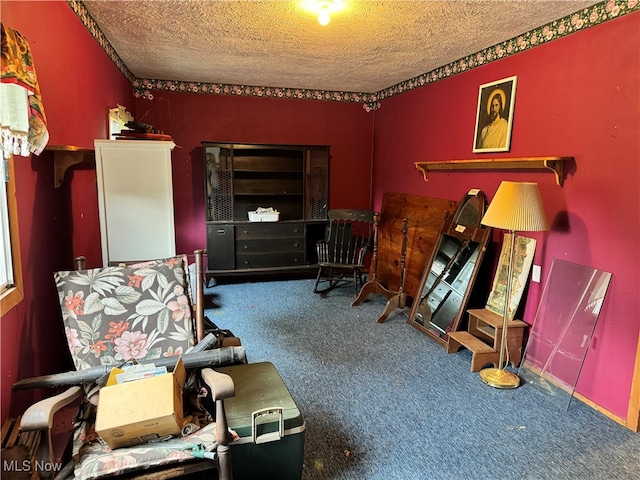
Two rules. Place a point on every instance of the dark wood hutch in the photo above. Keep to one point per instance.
(240, 178)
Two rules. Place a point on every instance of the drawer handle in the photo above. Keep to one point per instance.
(296, 244)
(221, 232)
(246, 247)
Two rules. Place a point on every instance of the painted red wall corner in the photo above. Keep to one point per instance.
(576, 96)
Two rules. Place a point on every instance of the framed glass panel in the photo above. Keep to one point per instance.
(561, 334)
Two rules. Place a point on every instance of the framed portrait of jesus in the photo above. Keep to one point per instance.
(494, 117)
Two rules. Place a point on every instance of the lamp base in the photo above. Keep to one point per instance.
(499, 378)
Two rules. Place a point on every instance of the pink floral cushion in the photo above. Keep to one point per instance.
(97, 460)
(114, 314)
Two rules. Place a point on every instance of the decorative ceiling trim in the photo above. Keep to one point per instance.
(143, 86)
(588, 17)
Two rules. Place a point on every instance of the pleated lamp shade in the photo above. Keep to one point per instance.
(517, 206)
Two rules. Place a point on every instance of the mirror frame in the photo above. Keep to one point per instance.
(475, 233)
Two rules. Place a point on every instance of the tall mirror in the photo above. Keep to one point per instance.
(451, 272)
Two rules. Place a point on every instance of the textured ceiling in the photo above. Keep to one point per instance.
(369, 46)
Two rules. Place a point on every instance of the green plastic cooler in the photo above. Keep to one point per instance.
(270, 426)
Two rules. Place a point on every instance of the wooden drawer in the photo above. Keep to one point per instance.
(261, 246)
(269, 230)
(269, 260)
(270, 245)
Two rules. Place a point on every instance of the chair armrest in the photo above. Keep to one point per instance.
(221, 385)
(39, 416)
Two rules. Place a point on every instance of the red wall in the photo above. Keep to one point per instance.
(193, 118)
(78, 83)
(577, 96)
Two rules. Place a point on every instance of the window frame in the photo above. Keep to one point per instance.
(14, 294)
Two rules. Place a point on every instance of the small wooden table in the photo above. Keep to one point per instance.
(484, 339)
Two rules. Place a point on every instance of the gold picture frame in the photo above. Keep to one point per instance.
(494, 117)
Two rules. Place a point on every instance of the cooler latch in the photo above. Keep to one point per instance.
(271, 436)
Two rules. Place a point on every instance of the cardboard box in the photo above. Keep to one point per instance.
(142, 410)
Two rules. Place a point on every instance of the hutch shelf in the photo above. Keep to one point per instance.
(240, 178)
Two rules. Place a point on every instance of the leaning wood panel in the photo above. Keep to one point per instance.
(426, 216)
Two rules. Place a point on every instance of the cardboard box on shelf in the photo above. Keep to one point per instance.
(136, 412)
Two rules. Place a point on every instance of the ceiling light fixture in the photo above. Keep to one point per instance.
(324, 9)
(323, 16)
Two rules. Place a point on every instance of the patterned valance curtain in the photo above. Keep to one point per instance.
(23, 124)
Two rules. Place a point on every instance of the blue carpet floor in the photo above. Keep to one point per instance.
(383, 401)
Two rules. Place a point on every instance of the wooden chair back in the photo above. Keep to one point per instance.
(343, 253)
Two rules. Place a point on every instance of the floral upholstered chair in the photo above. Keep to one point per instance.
(115, 314)
(144, 313)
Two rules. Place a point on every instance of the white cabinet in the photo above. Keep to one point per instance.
(135, 200)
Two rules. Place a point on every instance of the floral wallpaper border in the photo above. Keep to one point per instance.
(588, 17)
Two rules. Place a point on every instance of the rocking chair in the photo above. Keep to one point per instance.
(140, 312)
(342, 254)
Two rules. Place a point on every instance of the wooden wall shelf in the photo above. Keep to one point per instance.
(555, 164)
(64, 157)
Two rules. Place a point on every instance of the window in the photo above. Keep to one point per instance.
(6, 268)
(10, 265)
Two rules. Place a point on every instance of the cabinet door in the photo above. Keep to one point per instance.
(219, 182)
(316, 202)
(220, 247)
(135, 200)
